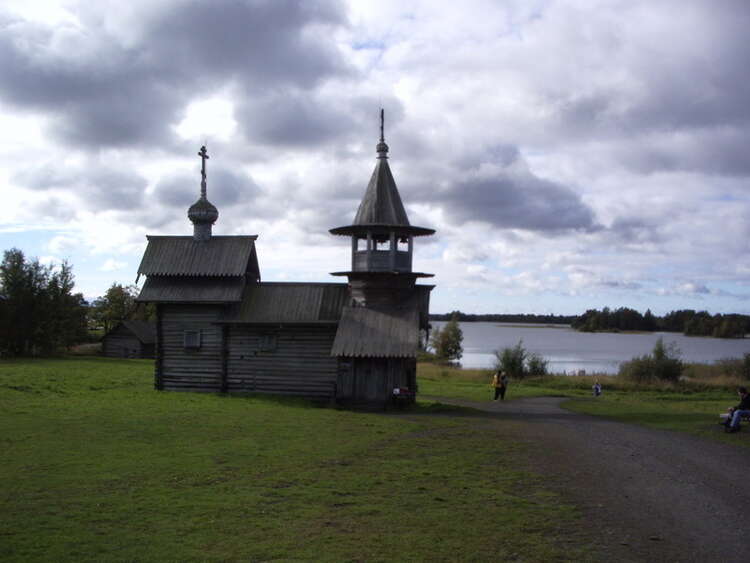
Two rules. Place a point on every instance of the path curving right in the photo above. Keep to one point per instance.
(650, 495)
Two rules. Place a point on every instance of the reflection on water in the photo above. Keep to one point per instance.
(569, 351)
(570, 366)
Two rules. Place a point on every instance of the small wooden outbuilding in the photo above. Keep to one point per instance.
(220, 328)
(130, 339)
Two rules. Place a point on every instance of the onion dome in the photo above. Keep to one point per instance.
(203, 211)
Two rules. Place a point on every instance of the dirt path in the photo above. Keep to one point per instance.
(649, 495)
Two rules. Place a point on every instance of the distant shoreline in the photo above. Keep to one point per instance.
(551, 325)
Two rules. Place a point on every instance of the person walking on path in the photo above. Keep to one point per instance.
(736, 413)
(500, 383)
(597, 389)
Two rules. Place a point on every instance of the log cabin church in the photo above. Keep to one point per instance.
(220, 328)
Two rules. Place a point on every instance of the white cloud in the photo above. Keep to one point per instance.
(63, 244)
(112, 265)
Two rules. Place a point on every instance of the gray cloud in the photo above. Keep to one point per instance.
(669, 94)
(492, 184)
(98, 187)
(114, 189)
(292, 118)
(263, 44)
(526, 202)
(719, 150)
(224, 187)
(55, 209)
(101, 91)
(616, 284)
(300, 118)
(635, 230)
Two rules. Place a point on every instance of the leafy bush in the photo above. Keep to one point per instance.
(536, 364)
(447, 342)
(735, 367)
(426, 356)
(517, 362)
(663, 364)
(511, 360)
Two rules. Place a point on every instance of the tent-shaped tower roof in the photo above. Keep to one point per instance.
(381, 205)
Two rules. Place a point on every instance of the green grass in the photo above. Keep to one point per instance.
(97, 465)
(692, 406)
(474, 384)
(696, 413)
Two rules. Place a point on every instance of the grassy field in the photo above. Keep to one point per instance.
(693, 412)
(474, 384)
(97, 465)
(691, 406)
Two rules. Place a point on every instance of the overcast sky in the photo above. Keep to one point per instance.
(570, 154)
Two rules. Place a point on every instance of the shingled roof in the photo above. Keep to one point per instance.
(370, 333)
(185, 256)
(279, 302)
(381, 204)
(144, 331)
(171, 289)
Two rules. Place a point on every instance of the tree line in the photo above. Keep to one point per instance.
(504, 318)
(686, 321)
(40, 314)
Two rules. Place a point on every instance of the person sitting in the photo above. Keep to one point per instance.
(736, 413)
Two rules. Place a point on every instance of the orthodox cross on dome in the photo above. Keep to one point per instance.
(203, 153)
(382, 125)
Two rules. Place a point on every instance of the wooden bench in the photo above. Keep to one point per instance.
(743, 418)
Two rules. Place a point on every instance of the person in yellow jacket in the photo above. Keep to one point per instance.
(500, 383)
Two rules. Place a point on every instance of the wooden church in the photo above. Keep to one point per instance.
(220, 328)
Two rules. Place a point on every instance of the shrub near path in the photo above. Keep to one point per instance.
(98, 466)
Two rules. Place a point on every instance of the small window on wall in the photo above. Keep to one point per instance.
(267, 342)
(192, 339)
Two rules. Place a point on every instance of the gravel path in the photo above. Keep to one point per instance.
(649, 495)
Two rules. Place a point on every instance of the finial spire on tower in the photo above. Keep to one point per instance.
(382, 148)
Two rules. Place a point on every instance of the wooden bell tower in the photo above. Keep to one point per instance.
(382, 241)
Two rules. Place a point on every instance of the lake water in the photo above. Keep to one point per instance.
(569, 351)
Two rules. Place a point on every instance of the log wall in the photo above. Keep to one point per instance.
(372, 380)
(121, 343)
(190, 369)
(284, 360)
